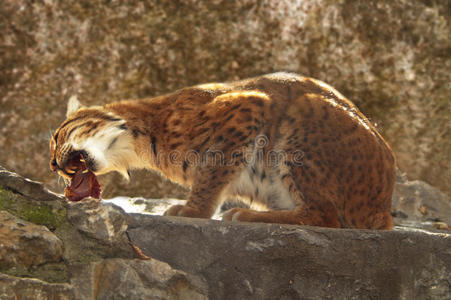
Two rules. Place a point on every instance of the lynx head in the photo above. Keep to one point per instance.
(90, 138)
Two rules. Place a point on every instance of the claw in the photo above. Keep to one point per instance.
(82, 160)
(86, 171)
(70, 171)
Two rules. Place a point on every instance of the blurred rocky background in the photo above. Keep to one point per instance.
(392, 58)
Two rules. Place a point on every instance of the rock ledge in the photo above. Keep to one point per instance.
(270, 261)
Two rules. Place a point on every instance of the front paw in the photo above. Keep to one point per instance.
(185, 211)
(232, 214)
(173, 210)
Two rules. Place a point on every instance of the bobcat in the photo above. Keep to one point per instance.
(290, 145)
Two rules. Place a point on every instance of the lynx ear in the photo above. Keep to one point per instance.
(72, 106)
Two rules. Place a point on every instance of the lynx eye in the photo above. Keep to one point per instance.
(54, 165)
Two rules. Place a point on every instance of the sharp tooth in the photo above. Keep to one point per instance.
(86, 171)
(70, 171)
(82, 160)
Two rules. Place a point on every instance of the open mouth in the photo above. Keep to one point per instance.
(83, 183)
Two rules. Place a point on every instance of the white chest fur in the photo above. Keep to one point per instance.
(260, 187)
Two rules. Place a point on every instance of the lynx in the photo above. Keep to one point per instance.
(291, 146)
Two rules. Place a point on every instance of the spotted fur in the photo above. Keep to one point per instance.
(289, 145)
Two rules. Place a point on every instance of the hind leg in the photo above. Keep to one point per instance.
(312, 211)
(249, 215)
(304, 215)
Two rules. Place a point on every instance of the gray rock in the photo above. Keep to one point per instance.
(105, 222)
(24, 244)
(391, 58)
(135, 279)
(33, 289)
(418, 204)
(270, 261)
(26, 187)
(89, 231)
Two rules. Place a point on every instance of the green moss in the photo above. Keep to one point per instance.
(5, 200)
(77, 248)
(43, 215)
(35, 212)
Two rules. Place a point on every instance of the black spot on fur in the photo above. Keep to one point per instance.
(229, 117)
(258, 102)
(248, 110)
(237, 154)
(235, 107)
(153, 142)
(203, 142)
(175, 145)
(203, 130)
(200, 124)
(136, 132)
(242, 138)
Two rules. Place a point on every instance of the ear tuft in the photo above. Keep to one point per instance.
(72, 106)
